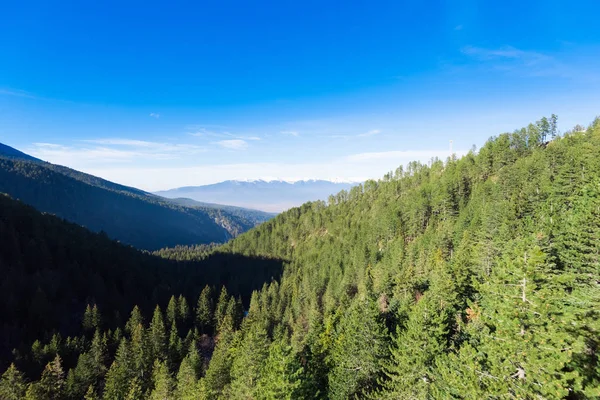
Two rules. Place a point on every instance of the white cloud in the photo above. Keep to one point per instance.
(290, 133)
(100, 152)
(458, 28)
(506, 52)
(372, 132)
(233, 144)
(17, 93)
(155, 115)
(510, 59)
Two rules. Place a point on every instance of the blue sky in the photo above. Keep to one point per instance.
(164, 94)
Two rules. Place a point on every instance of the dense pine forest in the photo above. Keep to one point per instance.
(473, 277)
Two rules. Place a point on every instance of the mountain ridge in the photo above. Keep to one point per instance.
(261, 194)
(130, 215)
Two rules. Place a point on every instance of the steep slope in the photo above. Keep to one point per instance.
(9, 152)
(272, 196)
(127, 214)
(50, 269)
(471, 278)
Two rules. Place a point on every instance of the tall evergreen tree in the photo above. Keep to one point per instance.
(12, 384)
(205, 310)
(158, 335)
(163, 384)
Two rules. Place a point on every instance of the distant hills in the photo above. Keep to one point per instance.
(129, 215)
(272, 196)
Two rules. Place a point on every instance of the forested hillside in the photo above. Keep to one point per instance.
(129, 215)
(470, 278)
(50, 269)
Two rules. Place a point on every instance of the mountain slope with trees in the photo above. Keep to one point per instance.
(476, 277)
(127, 214)
(50, 269)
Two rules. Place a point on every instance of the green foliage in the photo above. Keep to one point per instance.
(12, 384)
(163, 382)
(466, 278)
(205, 310)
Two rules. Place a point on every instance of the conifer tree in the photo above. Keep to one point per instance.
(280, 374)
(163, 384)
(221, 308)
(205, 310)
(184, 312)
(141, 354)
(250, 355)
(218, 374)
(88, 320)
(172, 311)
(187, 377)
(51, 385)
(158, 335)
(135, 319)
(175, 348)
(12, 384)
(358, 352)
(91, 394)
(135, 391)
(120, 373)
(416, 346)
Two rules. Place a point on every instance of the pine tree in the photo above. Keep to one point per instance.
(221, 308)
(12, 384)
(88, 321)
(158, 335)
(163, 384)
(91, 394)
(280, 375)
(51, 385)
(172, 311)
(184, 312)
(120, 373)
(235, 311)
(416, 346)
(529, 318)
(135, 391)
(359, 350)
(187, 377)
(175, 348)
(205, 310)
(218, 374)
(141, 356)
(135, 319)
(250, 355)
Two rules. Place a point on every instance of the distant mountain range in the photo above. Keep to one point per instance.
(129, 215)
(271, 196)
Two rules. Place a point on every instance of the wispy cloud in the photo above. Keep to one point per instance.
(17, 93)
(529, 58)
(155, 115)
(516, 61)
(111, 150)
(233, 144)
(372, 132)
(203, 132)
(458, 28)
(421, 155)
(290, 133)
(369, 133)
